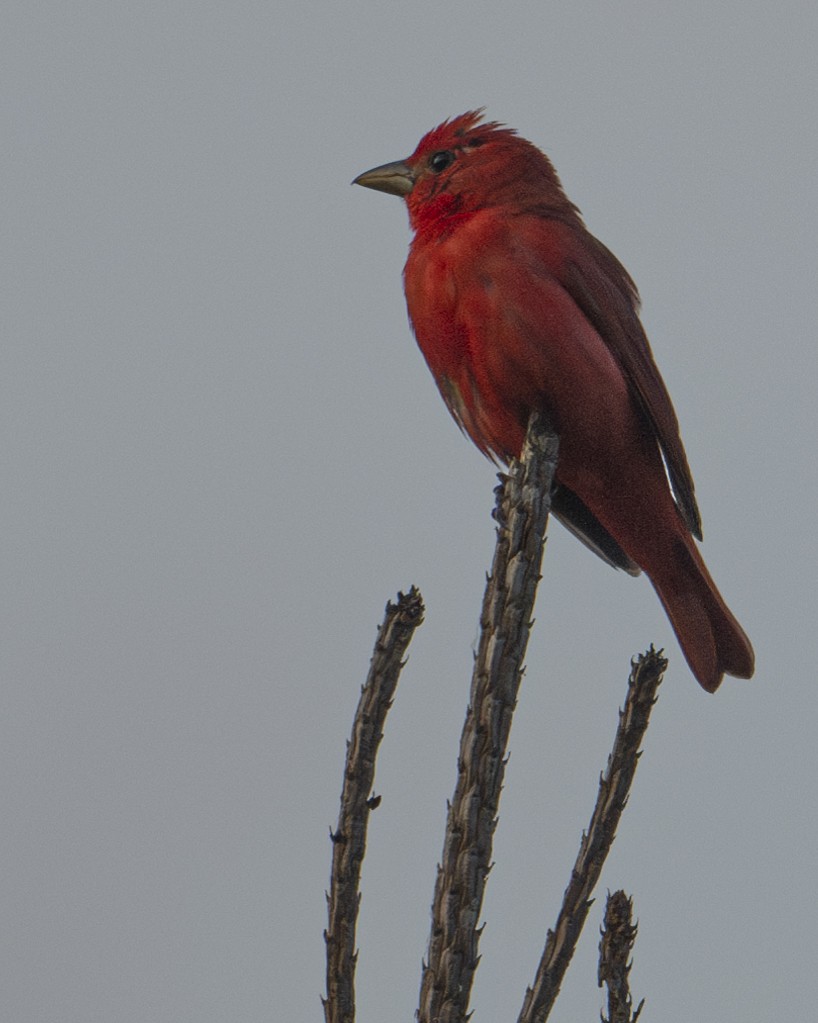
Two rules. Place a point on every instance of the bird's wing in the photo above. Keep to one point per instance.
(605, 293)
(587, 528)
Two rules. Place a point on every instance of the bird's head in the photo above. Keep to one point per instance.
(465, 165)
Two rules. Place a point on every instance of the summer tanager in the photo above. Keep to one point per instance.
(517, 307)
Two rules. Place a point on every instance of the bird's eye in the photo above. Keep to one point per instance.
(440, 161)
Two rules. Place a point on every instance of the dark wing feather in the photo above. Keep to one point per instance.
(604, 291)
(585, 526)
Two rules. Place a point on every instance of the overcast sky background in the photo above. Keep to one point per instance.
(222, 453)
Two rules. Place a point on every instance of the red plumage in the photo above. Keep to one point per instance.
(517, 307)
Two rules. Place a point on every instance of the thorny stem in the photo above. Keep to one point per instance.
(614, 785)
(618, 936)
(523, 503)
(349, 838)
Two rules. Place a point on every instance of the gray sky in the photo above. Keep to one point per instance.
(223, 453)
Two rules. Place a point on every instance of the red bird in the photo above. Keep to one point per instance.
(517, 307)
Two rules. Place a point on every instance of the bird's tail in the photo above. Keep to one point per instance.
(710, 637)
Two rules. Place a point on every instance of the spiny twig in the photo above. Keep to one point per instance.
(618, 936)
(614, 785)
(523, 503)
(349, 838)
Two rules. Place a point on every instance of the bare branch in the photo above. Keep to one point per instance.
(349, 839)
(614, 785)
(523, 503)
(618, 936)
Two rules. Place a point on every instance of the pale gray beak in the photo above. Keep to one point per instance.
(395, 178)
